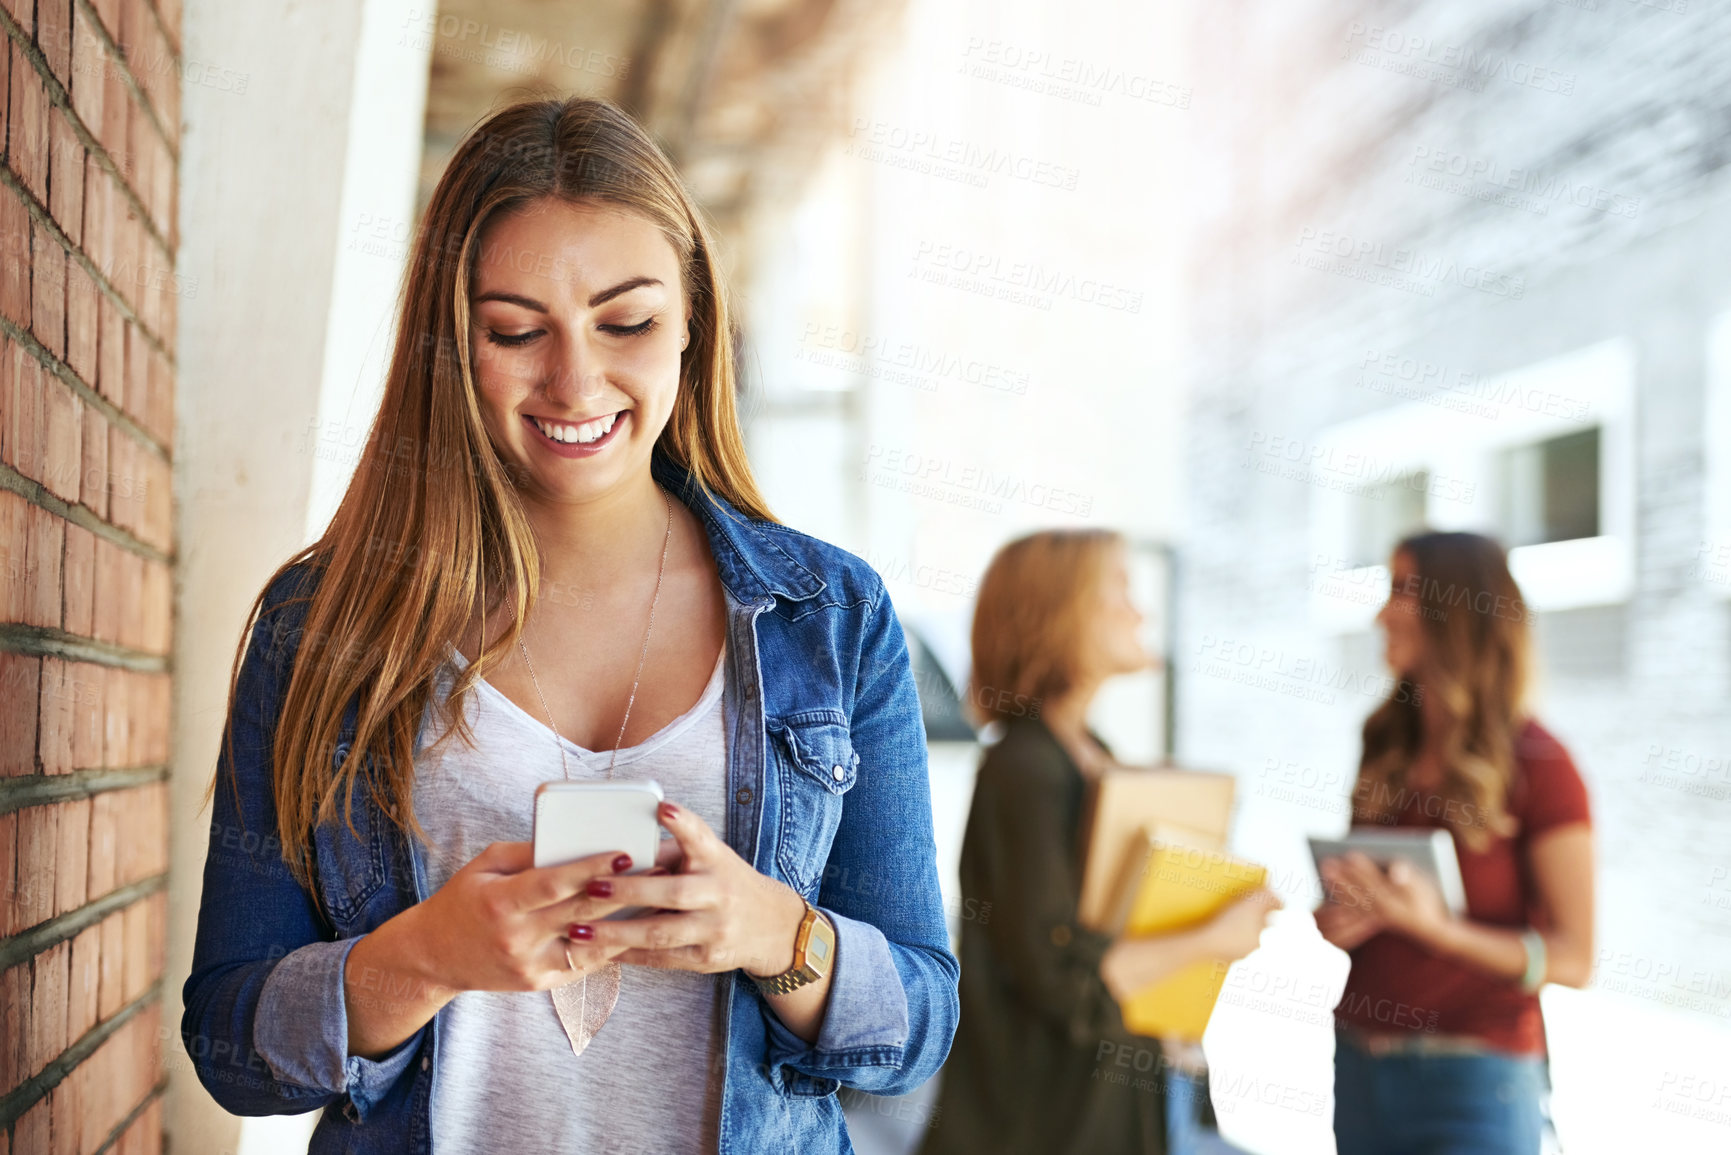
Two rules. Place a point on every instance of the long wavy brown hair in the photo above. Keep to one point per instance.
(1028, 619)
(431, 532)
(1476, 671)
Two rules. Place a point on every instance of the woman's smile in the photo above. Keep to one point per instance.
(578, 439)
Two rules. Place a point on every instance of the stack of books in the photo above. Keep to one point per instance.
(1156, 863)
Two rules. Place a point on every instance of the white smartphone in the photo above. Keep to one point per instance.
(576, 819)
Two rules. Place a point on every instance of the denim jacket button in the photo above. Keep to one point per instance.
(425, 1062)
(839, 772)
(743, 796)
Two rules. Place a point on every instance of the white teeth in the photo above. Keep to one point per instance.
(594, 430)
(577, 434)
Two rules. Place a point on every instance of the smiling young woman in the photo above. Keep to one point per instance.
(553, 551)
(1440, 1039)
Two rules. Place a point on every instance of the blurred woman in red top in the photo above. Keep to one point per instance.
(1439, 1043)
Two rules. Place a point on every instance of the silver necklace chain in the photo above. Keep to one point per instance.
(564, 764)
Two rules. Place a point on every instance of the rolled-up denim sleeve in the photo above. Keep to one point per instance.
(866, 1016)
(868, 1007)
(302, 1028)
(892, 1006)
(265, 1023)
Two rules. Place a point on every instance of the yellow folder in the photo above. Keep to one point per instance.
(1168, 886)
(1125, 800)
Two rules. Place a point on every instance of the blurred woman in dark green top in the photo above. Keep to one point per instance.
(1042, 1063)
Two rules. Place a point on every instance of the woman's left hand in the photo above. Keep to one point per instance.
(712, 913)
(1401, 898)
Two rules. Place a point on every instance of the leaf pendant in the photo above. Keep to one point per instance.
(585, 1004)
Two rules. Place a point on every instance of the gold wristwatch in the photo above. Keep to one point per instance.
(813, 954)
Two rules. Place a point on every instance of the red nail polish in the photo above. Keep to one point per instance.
(580, 932)
(669, 810)
(621, 864)
(601, 887)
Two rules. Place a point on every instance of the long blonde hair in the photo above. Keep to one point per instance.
(431, 531)
(1027, 635)
(1478, 655)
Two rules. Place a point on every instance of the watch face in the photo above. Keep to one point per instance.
(818, 949)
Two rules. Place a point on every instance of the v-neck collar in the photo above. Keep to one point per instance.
(711, 692)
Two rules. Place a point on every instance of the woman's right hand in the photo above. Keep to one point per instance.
(498, 924)
(1347, 917)
(1237, 930)
(1346, 927)
(1133, 963)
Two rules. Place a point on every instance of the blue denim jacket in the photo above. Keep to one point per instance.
(826, 767)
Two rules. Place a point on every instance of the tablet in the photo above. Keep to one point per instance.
(1430, 851)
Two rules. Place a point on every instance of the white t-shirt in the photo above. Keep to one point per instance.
(507, 1079)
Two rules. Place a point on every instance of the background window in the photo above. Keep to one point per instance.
(1550, 490)
(1386, 513)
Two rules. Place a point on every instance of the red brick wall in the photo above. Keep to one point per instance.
(91, 92)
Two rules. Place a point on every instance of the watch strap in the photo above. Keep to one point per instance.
(802, 971)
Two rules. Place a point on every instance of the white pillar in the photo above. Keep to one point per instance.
(377, 219)
(286, 334)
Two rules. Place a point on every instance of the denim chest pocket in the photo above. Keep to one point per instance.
(349, 869)
(816, 767)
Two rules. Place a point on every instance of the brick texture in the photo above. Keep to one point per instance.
(91, 101)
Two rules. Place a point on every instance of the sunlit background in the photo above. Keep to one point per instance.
(1264, 285)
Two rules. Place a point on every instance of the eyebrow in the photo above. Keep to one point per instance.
(600, 298)
(626, 286)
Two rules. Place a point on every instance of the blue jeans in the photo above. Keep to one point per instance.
(1437, 1104)
(1186, 1134)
